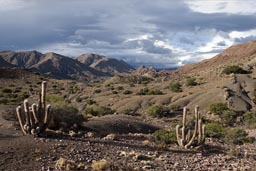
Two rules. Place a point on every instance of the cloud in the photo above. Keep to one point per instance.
(166, 33)
(231, 7)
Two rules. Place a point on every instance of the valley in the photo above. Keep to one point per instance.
(124, 118)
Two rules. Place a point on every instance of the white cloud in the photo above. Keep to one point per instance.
(242, 34)
(11, 5)
(233, 7)
(217, 43)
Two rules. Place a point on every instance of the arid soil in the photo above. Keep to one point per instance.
(122, 152)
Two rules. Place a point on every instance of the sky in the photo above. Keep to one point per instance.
(162, 33)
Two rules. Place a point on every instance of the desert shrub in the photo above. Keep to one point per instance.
(175, 107)
(6, 90)
(23, 96)
(90, 102)
(12, 101)
(165, 137)
(114, 92)
(54, 86)
(214, 130)
(127, 92)
(98, 111)
(237, 136)
(129, 112)
(17, 90)
(97, 91)
(228, 117)
(146, 91)
(4, 101)
(55, 99)
(175, 87)
(250, 119)
(191, 81)
(79, 99)
(65, 116)
(120, 88)
(218, 108)
(156, 111)
(235, 69)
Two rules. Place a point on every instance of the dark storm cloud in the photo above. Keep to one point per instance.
(183, 19)
(114, 27)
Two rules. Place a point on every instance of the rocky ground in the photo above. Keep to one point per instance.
(115, 152)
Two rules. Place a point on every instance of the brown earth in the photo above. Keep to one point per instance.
(125, 152)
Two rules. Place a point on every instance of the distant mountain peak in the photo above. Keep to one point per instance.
(84, 67)
(104, 64)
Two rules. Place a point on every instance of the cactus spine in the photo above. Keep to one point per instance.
(185, 139)
(35, 119)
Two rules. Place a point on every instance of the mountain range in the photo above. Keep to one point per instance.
(83, 67)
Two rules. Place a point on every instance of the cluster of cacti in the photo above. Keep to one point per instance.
(186, 139)
(35, 119)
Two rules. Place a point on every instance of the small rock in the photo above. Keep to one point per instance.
(110, 137)
(72, 133)
(142, 157)
(90, 134)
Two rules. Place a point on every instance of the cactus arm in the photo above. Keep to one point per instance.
(203, 133)
(21, 121)
(32, 121)
(47, 114)
(184, 120)
(27, 125)
(43, 94)
(179, 140)
(199, 140)
(188, 136)
(34, 111)
(39, 108)
(196, 128)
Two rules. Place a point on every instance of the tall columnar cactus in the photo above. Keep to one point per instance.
(35, 119)
(184, 137)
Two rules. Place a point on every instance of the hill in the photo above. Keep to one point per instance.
(242, 54)
(104, 64)
(63, 67)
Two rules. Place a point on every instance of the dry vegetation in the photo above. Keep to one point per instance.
(128, 121)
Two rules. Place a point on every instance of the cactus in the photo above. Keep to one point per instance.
(185, 139)
(35, 119)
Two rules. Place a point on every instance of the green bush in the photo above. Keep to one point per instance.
(228, 117)
(78, 99)
(156, 111)
(127, 92)
(65, 116)
(237, 136)
(98, 111)
(90, 102)
(3, 101)
(175, 87)
(120, 88)
(175, 107)
(191, 81)
(114, 92)
(97, 91)
(215, 130)
(23, 96)
(233, 69)
(218, 108)
(51, 98)
(250, 119)
(165, 137)
(146, 91)
(6, 90)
